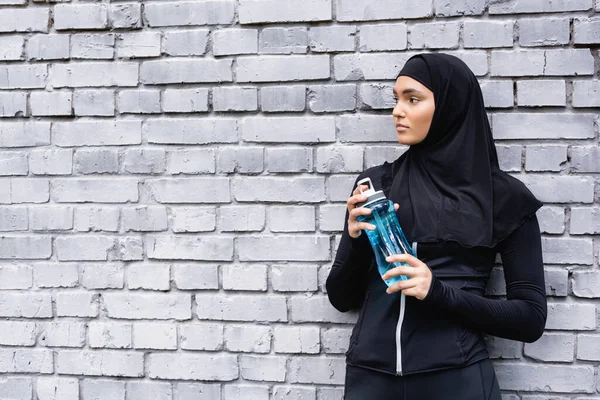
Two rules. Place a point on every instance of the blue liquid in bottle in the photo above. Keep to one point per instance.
(387, 238)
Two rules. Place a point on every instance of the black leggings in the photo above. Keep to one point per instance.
(474, 382)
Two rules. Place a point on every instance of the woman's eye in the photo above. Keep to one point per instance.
(414, 100)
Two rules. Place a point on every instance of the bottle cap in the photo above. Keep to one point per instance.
(371, 194)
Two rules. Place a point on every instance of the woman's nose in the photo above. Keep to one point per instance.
(398, 111)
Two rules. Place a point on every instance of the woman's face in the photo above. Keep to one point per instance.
(413, 111)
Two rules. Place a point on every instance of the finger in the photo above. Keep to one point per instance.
(351, 203)
(357, 190)
(396, 206)
(366, 226)
(405, 258)
(400, 286)
(406, 271)
(355, 212)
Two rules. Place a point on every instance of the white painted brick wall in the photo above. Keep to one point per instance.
(173, 177)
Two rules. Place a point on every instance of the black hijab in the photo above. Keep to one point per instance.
(450, 186)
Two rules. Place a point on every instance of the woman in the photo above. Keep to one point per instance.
(422, 338)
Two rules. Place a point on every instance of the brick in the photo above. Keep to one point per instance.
(13, 104)
(283, 98)
(276, 189)
(191, 131)
(551, 219)
(93, 46)
(289, 159)
(26, 190)
(11, 48)
(532, 6)
(155, 336)
(56, 275)
(383, 37)
(546, 126)
(522, 63)
(51, 103)
(462, 7)
(366, 128)
(97, 133)
(557, 282)
(62, 334)
(139, 101)
(586, 94)
(560, 189)
(110, 335)
(13, 163)
(245, 277)
(567, 251)
(283, 40)
(331, 393)
(553, 378)
(294, 393)
(105, 276)
(252, 12)
(585, 220)
(148, 306)
(317, 370)
(48, 47)
(222, 367)
(15, 277)
(363, 10)
(541, 93)
(100, 190)
(30, 361)
(204, 337)
(94, 102)
(241, 218)
(144, 161)
(104, 73)
(586, 31)
(25, 247)
(339, 159)
(552, 347)
(292, 219)
(585, 284)
(51, 162)
(96, 219)
(197, 391)
(430, 35)
(97, 388)
(235, 99)
(18, 388)
(544, 32)
(270, 308)
(188, 248)
(148, 276)
(138, 45)
(186, 71)
(52, 388)
(571, 317)
(80, 16)
(23, 76)
(235, 41)
(281, 68)
(487, 34)
(190, 42)
(292, 339)
(288, 129)
(83, 248)
(189, 13)
(146, 390)
(25, 20)
(51, 218)
(332, 217)
(248, 160)
(96, 161)
(352, 67)
(545, 157)
(497, 94)
(332, 98)
(185, 100)
(587, 347)
(263, 368)
(376, 155)
(477, 61)
(562, 62)
(189, 190)
(292, 278)
(246, 392)
(340, 187)
(125, 15)
(17, 333)
(100, 363)
(25, 305)
(509, 157)
(193, 219)
(585, 159)
(335, 340)
(248, 338)
(196, 161)
(317, 309)
(376, 96)
(323, 39)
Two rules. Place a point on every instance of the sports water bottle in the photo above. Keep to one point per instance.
(387, 238)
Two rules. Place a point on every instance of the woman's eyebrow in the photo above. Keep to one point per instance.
(407, 91)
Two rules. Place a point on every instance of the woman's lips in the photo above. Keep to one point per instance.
(401, 128)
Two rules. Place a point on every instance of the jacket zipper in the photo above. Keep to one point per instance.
(399, 326)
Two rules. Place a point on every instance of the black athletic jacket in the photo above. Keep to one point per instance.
(402, 335)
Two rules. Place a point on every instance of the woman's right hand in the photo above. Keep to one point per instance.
(354, 226)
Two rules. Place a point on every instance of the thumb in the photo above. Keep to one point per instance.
(396, 206)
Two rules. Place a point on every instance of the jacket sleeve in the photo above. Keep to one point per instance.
(522, 316)
(347, 281)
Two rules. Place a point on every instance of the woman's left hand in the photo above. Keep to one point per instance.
(420, 276)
